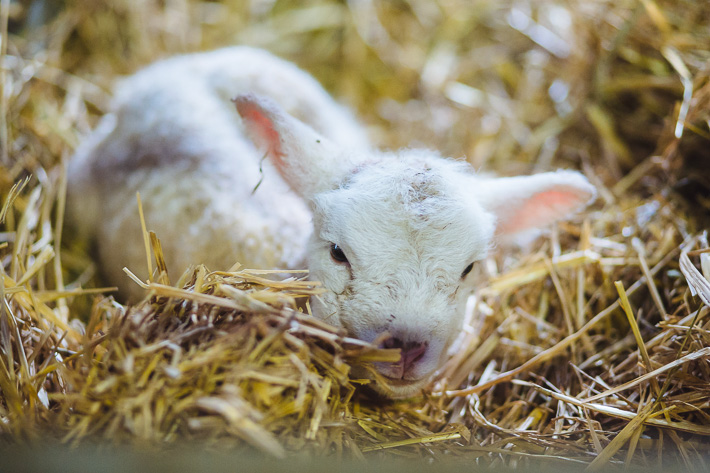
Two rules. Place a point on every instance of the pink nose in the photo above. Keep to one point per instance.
(412, 352)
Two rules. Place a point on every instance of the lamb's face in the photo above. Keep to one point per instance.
(393, 247)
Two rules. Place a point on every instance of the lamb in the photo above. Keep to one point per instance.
(392, 236)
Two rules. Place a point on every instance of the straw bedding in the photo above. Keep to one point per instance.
(588, 347)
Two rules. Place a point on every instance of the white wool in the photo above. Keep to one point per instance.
(409, 222)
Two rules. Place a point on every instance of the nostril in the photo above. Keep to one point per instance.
(413, 353)
(416, 353)
(393, 342)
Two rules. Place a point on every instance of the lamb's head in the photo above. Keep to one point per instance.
(396, 235)
(394, 244)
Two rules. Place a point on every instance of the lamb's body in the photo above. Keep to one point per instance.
(175, 136)
(393, 236)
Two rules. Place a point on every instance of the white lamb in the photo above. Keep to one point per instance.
(392, 236)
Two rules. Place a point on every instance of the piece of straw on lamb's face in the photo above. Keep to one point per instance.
(392, 236)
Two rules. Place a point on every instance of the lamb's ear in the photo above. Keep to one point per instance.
(307, 161)
(526, 202)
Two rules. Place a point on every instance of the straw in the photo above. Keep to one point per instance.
(586, 346)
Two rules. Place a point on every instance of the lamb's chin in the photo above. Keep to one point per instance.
(389, 387)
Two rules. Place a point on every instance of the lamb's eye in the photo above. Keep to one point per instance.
(337, 254)
(467, 270)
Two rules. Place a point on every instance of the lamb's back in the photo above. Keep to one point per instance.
(174, 136)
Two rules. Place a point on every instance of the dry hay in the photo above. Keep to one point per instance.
(589, 348)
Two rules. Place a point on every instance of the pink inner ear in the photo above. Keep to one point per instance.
(263, 127)
(538, 211)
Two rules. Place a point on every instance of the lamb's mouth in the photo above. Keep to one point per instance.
(400, 381)
(391, 375)
(405, 383)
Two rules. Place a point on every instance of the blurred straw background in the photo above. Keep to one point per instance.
(589, 348)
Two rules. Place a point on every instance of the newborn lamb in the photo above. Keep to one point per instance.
(392, 236)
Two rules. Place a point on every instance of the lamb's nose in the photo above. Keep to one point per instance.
(412, 352)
